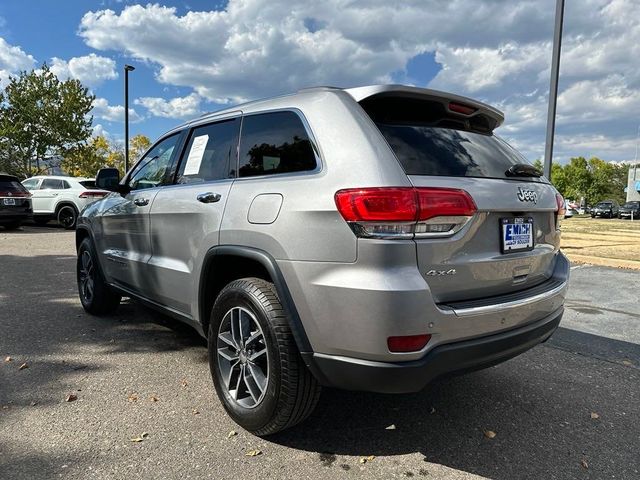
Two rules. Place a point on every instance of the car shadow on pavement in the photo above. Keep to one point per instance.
(541, 407)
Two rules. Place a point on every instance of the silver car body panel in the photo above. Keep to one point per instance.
(350, 293)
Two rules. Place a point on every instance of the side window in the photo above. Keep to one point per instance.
(51, 183)
(152, 169)
(273, 143)
(30, 184)
(65, 184)
(211, 151)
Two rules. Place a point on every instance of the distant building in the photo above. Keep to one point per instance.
(633, 185)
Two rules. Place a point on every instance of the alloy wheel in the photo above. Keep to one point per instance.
(87, 276)
(243, 362)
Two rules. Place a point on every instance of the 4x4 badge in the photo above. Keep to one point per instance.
(437, 273)
(527, 195)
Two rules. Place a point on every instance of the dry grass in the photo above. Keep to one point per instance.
(609, 242)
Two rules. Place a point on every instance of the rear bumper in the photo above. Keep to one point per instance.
(404, 377)
(14, 216)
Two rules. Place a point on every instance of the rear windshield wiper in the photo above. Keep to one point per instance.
(523, 170)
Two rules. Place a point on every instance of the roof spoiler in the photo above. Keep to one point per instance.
(476, 115)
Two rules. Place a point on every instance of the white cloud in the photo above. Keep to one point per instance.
(112, 113)
(91, 70)
(179, 107)
(496, 50)
(13, 60)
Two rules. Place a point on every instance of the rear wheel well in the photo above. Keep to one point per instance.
(65, 204)
(81, 234)
(220, 271)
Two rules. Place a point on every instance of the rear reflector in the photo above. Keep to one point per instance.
(410, 343)
(402, 212)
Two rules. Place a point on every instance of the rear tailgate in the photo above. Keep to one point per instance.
(15, 199)
(447, 141)
(472, 259)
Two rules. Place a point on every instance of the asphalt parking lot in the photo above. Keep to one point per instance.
(567, 409)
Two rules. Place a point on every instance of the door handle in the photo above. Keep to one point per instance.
(209, 197)
(141, 202)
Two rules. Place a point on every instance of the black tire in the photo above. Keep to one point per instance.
(67, 215)
(291, 391)
(41, 220)
(97, 297)
(12, 225)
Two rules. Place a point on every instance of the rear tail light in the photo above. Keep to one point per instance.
(93, 194)
(405, 212)
(14, 194)
(409, 343)
(560, 206)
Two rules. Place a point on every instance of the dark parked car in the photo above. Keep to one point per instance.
(607, 208)
(629, 209)
(15, 202)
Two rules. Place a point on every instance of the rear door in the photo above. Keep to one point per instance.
(186, 216)
(511, 241)
(125, 243)
(44, 199)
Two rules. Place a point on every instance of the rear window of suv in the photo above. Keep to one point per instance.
(426, 150)
(9, 185)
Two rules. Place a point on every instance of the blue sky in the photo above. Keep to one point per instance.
(197, 56)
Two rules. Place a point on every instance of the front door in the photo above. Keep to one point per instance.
(186, 217)
(125, 241)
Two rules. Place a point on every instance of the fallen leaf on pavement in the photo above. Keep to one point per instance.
(253, 453)
(489, 434)
(184, 383)
(72, 397)
(195, 411)
(23, 366)
(367, 459)
(33, 404)
(133, 397)
(153, 398)
(594, 415)
(627, 363)
(584, 463)
(140, 438)
(390, 427)
(8, 359)
(232, 433)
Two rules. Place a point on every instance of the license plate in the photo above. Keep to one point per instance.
(9, 201)
(516, 234)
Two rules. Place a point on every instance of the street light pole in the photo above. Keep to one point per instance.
(553, 88)
(127, 69)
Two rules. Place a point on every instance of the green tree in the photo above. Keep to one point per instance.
(86, 160)
(137, 146)
(41, 117)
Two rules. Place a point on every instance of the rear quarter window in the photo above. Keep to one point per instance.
(274, 143)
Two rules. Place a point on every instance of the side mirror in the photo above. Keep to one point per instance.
(108, 179)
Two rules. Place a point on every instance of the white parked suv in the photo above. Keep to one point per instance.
(61, 198)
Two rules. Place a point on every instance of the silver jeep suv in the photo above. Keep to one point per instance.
(372, 238)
